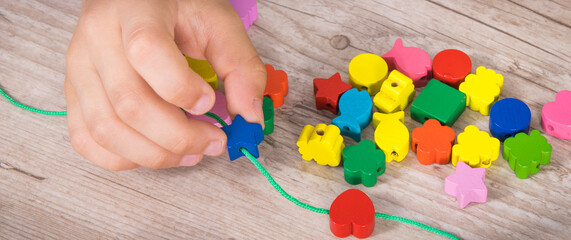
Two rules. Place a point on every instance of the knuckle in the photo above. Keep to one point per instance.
(139, 41)
(127, 106)
(256, 64)
(101, 132)
(179, 145)
(79, 142)
(178, 95)
(90, 24)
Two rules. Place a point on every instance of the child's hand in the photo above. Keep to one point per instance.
(126, 78)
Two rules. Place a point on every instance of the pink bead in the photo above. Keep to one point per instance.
(218, 109)
(247, 9)
(556, 116)
(467, 184)
(413, 62)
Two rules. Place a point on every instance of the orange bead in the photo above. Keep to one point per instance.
(276, 86)
(433, 142)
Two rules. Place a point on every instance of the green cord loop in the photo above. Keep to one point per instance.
(264, 172)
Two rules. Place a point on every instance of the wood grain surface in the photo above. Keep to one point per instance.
(47, 191)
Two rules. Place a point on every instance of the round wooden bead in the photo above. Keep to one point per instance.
(367, 72)
(451, 66)
(508, 117)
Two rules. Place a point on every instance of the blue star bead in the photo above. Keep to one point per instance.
(242, 134)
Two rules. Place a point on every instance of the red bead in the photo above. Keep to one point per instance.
(451, 66)
(352, 212)
(328, 91)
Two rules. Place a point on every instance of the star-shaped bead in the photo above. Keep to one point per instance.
(467, 184)
(328, 91)
(242, 134)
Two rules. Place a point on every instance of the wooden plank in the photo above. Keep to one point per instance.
(48, 191)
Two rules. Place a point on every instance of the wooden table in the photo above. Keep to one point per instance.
(47, 191)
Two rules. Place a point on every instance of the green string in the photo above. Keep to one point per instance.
(217, 118)
(279, 188)
(326, 211)
(32, 109)
(323, 210)
(264, 172)
(417, 224)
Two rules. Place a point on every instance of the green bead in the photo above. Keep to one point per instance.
(526, 153)
(268, 107)
(363, 163)
(438, 101)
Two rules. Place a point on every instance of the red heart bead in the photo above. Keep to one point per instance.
(352, 212)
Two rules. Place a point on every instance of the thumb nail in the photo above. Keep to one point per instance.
(203, 104)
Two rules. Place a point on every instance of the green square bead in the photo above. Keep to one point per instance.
(438, 101)
(268, 107)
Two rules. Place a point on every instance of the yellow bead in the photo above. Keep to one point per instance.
(482, 89)
(391, 135)
(396, 92)
(323, 143)
(204, 70)
(476, 148)
(367, 72)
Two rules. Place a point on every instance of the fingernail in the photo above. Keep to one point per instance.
(203, 105)
(215, 148)
(259, 110)
(189, 160)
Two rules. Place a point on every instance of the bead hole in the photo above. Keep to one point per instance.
(394, 84)
(319, 132)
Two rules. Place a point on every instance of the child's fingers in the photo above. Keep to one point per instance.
(82, 142)
(148, 39)
(106, 129)
(229, 50)
(141, 108)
